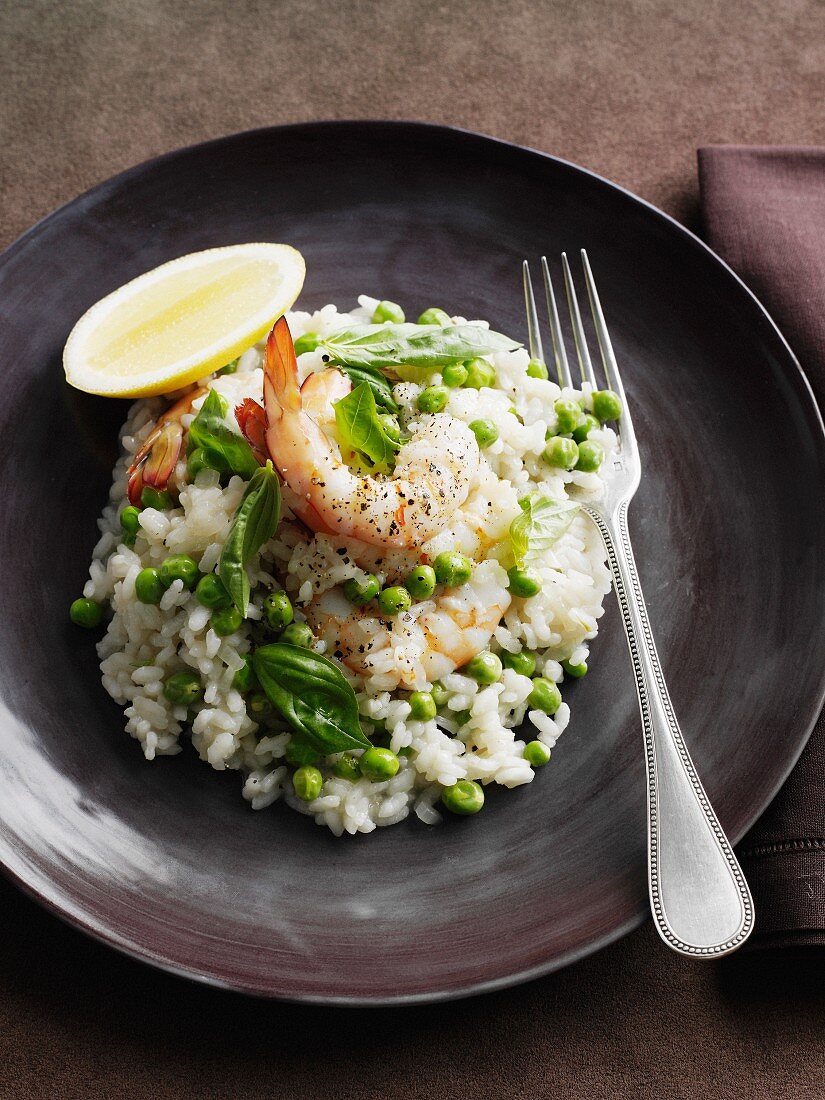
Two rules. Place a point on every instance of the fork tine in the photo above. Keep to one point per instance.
(559, 352)
(585, 366)
(611, 367)
(533, 331)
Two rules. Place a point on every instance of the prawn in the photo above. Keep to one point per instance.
(433, 475)
(449, 631)
(155, 460)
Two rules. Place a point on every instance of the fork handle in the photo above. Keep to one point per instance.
(701, 903)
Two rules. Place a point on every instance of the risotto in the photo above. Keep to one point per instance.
(363, 587)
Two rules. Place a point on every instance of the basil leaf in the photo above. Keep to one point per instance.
(380, 385)
(312, 695)
(254, 524)
(360, 430)
(225, 450)
(542, 522)
(424, 346)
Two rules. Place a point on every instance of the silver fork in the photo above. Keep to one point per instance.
(701, 903)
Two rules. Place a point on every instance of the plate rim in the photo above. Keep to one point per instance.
(97, 930)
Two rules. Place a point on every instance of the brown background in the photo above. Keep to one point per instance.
(627, 89)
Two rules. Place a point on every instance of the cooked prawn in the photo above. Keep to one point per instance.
(445, 636)
(155, 460)
(252, 422)
(433, 475)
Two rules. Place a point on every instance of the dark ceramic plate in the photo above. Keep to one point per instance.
(165, 861)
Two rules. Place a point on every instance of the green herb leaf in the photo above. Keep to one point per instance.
(312, 695)
(379, 384)
(422, 346)
(542, 522)
(361, 431)
(225, 450)
(255, 522)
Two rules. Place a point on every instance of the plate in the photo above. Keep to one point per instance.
(165, 861)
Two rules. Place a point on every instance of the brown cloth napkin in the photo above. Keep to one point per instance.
(764, 213)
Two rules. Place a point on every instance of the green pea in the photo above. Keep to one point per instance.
(129, 520)
(230, 368)
(360, 592)
(575, 671)
(406, 751)
(480, 373)
(225, 621)
(299, 634)
(588, 425)
(536, 754)
(378, 764)
(388, 313)
(421, 582)
(433, 399)
(392, 429)
(183, 688)
(569, 415)
(245, 679)
(452, 568)
(198, 460)
(561, 452)
(422, 706)
(523, 583)
(148, 586)
(485, 432)
(86, 613)
(460, 717)
(591, 455)
(300, 752)
(277, 609)
(484, 668)
(210, 592)
(544, 696)
(464, 797)
(346, 768)
(435, 316)
(394, 600)
(308, 342)
(454, 375)
(439, 693)
(523, 662)
(537, 368)
(307, 783)
(259, 707)
(607, 405)
(151, 498)
(179, 567)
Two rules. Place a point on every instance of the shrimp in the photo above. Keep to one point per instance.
(157, 457)
(414, 649)
(433, 475)
(252, 422)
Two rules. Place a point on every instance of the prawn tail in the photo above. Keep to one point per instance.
(251, 419)
(281, 372)
(155, 462)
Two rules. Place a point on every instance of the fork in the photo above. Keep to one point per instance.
(700, 900)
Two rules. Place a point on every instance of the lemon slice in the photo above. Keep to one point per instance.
(182, 320)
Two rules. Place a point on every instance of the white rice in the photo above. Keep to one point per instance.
(144, 644)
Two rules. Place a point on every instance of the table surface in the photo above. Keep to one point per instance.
(629, 89)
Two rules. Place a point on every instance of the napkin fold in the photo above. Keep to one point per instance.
(764, 213)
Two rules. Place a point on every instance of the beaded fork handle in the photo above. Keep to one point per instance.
(701, 903)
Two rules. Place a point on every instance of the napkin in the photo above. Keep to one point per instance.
(764, 213)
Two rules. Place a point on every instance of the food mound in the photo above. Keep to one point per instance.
(357, 572)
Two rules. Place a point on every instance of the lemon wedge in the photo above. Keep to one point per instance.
(182, 320)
